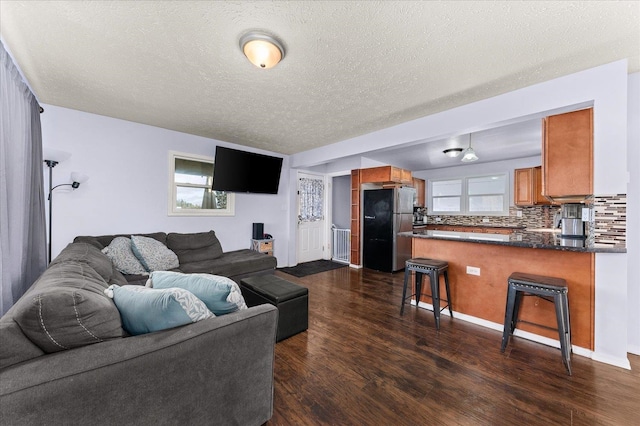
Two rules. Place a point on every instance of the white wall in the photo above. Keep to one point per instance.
(127, 190)
(605, 88)
(633, 212)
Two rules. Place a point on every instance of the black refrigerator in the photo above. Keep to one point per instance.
(387, 212)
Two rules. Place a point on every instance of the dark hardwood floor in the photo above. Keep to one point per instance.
(361, 363)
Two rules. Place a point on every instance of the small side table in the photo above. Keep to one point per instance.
(262, 246)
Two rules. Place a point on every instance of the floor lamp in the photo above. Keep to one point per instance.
(76, 178)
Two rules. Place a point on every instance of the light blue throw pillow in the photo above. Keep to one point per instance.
(221, 294)
(145, 310)
(153, 255)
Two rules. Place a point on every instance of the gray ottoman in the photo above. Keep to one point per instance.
(291, 300)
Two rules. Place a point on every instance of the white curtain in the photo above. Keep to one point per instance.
(22, 216)
(311, 192)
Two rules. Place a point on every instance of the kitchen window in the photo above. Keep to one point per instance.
(471, 195)
(190, 194)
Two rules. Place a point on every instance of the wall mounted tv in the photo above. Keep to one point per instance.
(241, 171)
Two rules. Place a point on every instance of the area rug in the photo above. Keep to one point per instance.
(313, 267)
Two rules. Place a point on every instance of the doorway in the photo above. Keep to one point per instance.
(311, 217)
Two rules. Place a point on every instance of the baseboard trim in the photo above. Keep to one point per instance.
(633, 349)
(611, 360)
(523, 334)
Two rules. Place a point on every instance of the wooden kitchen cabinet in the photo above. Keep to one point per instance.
(385, 174)
(405, 176)
(567, 155)
(528, 187)
(419, 185)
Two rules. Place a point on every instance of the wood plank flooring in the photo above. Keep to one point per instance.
(361, 363)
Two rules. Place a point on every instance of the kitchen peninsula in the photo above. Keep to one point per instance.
(483, 296)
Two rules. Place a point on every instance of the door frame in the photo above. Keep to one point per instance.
(329, 206)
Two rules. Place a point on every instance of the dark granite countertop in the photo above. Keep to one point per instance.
(518, 238)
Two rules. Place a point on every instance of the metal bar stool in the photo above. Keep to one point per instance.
(433, 268)
(548, 288)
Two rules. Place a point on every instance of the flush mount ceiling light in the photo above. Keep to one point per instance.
(262, 50)
(452, 152)
(469, 154)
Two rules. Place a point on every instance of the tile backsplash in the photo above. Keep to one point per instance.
(532, 217)
(607, 225)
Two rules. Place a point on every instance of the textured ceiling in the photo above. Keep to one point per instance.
(350, 67)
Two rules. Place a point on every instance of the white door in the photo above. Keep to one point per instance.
(311, 217)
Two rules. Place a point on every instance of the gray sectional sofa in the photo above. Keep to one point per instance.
(65, 358)
(200, 253)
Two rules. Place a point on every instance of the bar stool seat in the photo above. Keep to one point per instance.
(548, 288)
(433, 268)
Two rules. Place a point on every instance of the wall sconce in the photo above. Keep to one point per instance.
(76, 180)
(262, 50)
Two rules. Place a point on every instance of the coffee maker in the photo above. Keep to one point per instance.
(572, 233)
(571, 224)
(418, 215)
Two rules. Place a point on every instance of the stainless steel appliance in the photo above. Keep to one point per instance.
(387, 211)
(571, 241)
(571, 226)
(571, 221)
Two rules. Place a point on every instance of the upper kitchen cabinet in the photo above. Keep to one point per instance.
(419, 185)
(528, 187)
(567, 156)
(385, 174)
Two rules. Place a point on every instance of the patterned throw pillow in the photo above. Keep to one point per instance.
(119, 251)
(153, 255)
(221, 294)
(145, 310)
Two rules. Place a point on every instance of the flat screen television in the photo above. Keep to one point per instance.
(241, 171)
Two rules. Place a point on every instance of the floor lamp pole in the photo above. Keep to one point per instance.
(51, 164)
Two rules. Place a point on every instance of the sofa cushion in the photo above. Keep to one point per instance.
(103, 241)
(92, 256)
(145, 310)
(153, 255)
(121, 254)
(67, 308)
(195, 247)
(221, 294)
(15, 346)
(230, 264)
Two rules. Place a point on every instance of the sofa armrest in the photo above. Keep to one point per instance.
(218, 370)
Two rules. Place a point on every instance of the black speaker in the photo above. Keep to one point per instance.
(258, 231)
